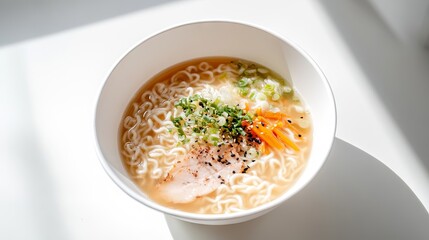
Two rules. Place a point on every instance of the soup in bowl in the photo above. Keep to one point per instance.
(214, 122)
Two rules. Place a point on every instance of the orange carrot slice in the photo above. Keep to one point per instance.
(272, 115)
(279, 134)
(266, 135)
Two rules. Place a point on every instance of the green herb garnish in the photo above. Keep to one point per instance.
(253, 79)
(206, 120)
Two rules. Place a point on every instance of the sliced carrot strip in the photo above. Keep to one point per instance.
(262, 119)
(285, 139)
(277, 116)
(278, 124)
(266, 135)
(270, 133)
(269, 123)
(272, 115)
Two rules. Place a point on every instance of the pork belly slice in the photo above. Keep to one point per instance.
(201, 172)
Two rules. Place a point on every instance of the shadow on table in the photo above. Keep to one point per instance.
(353, 197)
(22, 19)
(397, 70)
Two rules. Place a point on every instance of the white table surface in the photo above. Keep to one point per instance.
(375, 184)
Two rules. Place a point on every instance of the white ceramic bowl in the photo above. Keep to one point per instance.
(212, 38)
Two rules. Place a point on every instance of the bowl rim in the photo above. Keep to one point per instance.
(223, 216)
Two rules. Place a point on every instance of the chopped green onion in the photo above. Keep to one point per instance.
(243, 82)
(244, 91)
(212, 119)
(275, 97)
